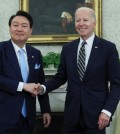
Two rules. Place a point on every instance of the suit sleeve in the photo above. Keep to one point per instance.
(60, 77)
(114, 78)
(43, 99)
(7, 84)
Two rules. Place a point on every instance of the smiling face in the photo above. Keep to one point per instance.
(85, 22)
(20, 30)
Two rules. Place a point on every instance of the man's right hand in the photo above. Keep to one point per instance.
(32, 88)
(41, 90)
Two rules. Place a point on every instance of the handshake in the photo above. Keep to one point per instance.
(33, 89)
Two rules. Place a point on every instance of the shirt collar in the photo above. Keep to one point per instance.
(89, 40)
(18, 48)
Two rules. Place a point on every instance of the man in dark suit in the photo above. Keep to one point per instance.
(14, 91)
(90, 101)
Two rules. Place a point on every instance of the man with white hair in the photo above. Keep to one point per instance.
(88, 64)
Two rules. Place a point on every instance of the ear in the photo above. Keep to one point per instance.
(30, 32)
(10, 30)
(95, 22)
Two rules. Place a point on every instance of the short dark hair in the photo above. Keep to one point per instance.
(24, 14)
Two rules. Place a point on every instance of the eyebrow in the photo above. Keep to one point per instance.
(18, 22)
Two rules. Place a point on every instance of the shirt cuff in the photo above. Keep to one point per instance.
(106, 112)
(20, 86)
(44, 90)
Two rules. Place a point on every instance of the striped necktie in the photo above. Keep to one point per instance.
(24, 72)
(81, 61)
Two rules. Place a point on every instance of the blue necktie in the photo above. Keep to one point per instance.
(24, 72)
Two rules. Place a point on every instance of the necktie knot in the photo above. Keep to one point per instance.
(83, 44)
(21, 51)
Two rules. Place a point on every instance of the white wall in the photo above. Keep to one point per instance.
(111, 21)
(7, 8)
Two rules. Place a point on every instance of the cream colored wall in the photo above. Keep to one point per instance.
(7, 8)
(111, 21)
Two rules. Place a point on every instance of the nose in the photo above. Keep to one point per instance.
(19, 28)
(81, 23)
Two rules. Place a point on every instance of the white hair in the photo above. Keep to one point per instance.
(92, 12)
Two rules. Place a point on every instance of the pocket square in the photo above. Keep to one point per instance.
(37, 66)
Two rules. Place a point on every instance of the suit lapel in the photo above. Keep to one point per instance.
(11, 55)
(74, 52)
(74, 56)
(93, 56)
(31, 61)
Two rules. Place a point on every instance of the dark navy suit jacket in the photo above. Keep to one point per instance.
(93, 93)
(11, 101)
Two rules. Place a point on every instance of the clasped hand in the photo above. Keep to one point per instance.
(32, 88)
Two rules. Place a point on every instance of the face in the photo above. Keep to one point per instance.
(20, 30)
(84, 23)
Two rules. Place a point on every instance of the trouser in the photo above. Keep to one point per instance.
(21, 127)
(81, 127)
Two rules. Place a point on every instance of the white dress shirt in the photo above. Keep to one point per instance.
(21, 84)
